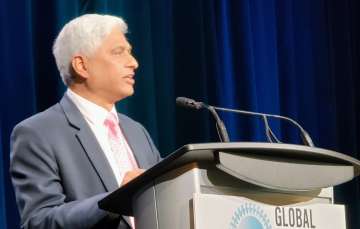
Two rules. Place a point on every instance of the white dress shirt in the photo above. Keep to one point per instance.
(95, 116)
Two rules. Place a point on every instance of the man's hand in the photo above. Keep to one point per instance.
(130, 175)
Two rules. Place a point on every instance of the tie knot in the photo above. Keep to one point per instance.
(111, 123)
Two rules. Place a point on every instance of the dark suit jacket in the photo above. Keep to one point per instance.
(59, 171)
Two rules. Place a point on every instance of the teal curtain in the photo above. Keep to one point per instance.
(2, 188)
(289, 57)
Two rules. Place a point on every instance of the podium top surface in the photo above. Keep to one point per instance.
(223, 155)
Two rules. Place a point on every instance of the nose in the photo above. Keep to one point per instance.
(133, 62)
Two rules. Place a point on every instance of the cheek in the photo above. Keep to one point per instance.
(97, 68)
(115, 70)
(108, 72)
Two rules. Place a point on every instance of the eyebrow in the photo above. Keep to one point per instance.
(121, 48)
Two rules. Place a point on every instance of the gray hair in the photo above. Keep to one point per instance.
(82, 35)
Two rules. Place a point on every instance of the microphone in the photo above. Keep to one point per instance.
(190, 103)
(269, 133)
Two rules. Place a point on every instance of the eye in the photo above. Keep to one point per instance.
(121, 51)
(117, 51)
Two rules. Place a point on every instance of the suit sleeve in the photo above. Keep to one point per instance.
(38, 189)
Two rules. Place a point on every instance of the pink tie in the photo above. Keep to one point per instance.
(123, 155)
(118, 145)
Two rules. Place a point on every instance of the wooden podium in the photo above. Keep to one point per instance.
(267, 174)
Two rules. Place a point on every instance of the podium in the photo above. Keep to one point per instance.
(200, 185)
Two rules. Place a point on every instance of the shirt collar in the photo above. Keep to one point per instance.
(94, 113)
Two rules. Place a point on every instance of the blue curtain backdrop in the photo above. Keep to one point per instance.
(298, 58)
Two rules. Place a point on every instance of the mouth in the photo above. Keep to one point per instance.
(130, 79)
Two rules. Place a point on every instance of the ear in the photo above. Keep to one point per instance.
(79, 65)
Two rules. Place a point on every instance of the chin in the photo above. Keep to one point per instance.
(130, 92)
(125, 94)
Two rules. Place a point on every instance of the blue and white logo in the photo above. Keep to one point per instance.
(249, 216)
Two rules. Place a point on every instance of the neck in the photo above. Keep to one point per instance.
(92, 97)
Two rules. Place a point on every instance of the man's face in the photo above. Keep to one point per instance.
(111, 69)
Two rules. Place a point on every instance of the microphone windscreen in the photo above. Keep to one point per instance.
(188, 103)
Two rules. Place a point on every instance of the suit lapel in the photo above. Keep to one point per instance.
(89, 143)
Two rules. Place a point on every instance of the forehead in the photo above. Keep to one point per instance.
(115, 38)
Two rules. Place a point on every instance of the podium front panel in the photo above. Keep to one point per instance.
(218, 211)
(168, 202)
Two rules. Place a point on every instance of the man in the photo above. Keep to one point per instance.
(67, 158)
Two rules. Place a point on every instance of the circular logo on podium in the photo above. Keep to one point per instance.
(249, 216)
